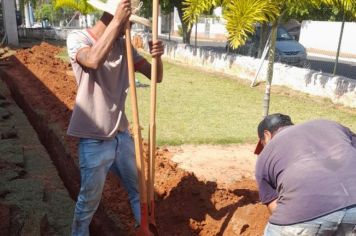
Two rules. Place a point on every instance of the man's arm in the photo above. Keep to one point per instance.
(266, 189)
(272, 206)
(93, 57)
(156, 51)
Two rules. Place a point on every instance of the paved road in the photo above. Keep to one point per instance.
(347, 69)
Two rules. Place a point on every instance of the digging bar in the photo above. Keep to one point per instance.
(152, 130)
(143, 230)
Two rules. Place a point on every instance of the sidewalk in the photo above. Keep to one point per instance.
(33, 199)
(332, 58)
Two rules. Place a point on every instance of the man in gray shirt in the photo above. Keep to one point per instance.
(99, 61)
(306, 175)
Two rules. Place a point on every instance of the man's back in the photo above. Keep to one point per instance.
(311, 168)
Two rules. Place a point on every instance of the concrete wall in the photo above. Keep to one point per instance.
(9, 14)
(39, 33)
(324, 35)
(340, 90)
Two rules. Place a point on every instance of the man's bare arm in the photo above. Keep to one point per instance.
(145, 69)
(94, 56)
(156, 50)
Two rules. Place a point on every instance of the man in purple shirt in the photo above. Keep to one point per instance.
(306, 175)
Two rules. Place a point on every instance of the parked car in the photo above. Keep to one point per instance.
(293, 27)
(288, 50)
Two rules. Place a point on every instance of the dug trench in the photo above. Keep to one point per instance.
(42, 85)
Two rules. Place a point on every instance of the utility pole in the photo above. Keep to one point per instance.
(9, 14)
(340, 41)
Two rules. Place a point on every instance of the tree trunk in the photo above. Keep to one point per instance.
(170, 26)
(196, 33)
(186, 31)
(339, 45)
(271, 55)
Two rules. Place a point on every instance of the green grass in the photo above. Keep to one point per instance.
(194, 107)
(63, 55)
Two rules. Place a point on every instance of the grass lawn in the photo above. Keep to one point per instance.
(194, 107)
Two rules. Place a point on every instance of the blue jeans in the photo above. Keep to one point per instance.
(96, 158)
(339, 223)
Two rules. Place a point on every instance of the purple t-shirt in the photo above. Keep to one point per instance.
(310, 169)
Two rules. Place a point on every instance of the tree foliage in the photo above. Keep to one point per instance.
(324, 11)
(167, 6)
(47, 11)
(242, 15)
(44, 11)
(79, 5)
(344, 6)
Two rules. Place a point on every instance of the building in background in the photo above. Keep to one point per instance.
(208, 28)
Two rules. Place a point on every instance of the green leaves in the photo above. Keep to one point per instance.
(349, 6)
(80, 5)
(194, 8)
(242, 15)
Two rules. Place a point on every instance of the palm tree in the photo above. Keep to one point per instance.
(80, 6)
(241, 17)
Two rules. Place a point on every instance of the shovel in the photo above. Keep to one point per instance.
(152, 130)
(144, 227)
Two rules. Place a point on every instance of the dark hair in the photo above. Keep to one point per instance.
(272, 123)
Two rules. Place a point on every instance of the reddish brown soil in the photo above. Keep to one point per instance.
(184, 206)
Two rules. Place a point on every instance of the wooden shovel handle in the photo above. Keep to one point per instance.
(136, 124)
(152, 131)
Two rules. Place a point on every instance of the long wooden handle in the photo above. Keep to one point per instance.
(152, 132)
(136, 123)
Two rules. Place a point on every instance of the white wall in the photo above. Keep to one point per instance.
(339, 89)
(40, 33)
(325, 35)
(207, 27)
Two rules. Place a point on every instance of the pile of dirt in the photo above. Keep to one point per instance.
(185, 204)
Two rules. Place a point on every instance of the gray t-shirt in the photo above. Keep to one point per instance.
(99, 110)
(310, 169)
